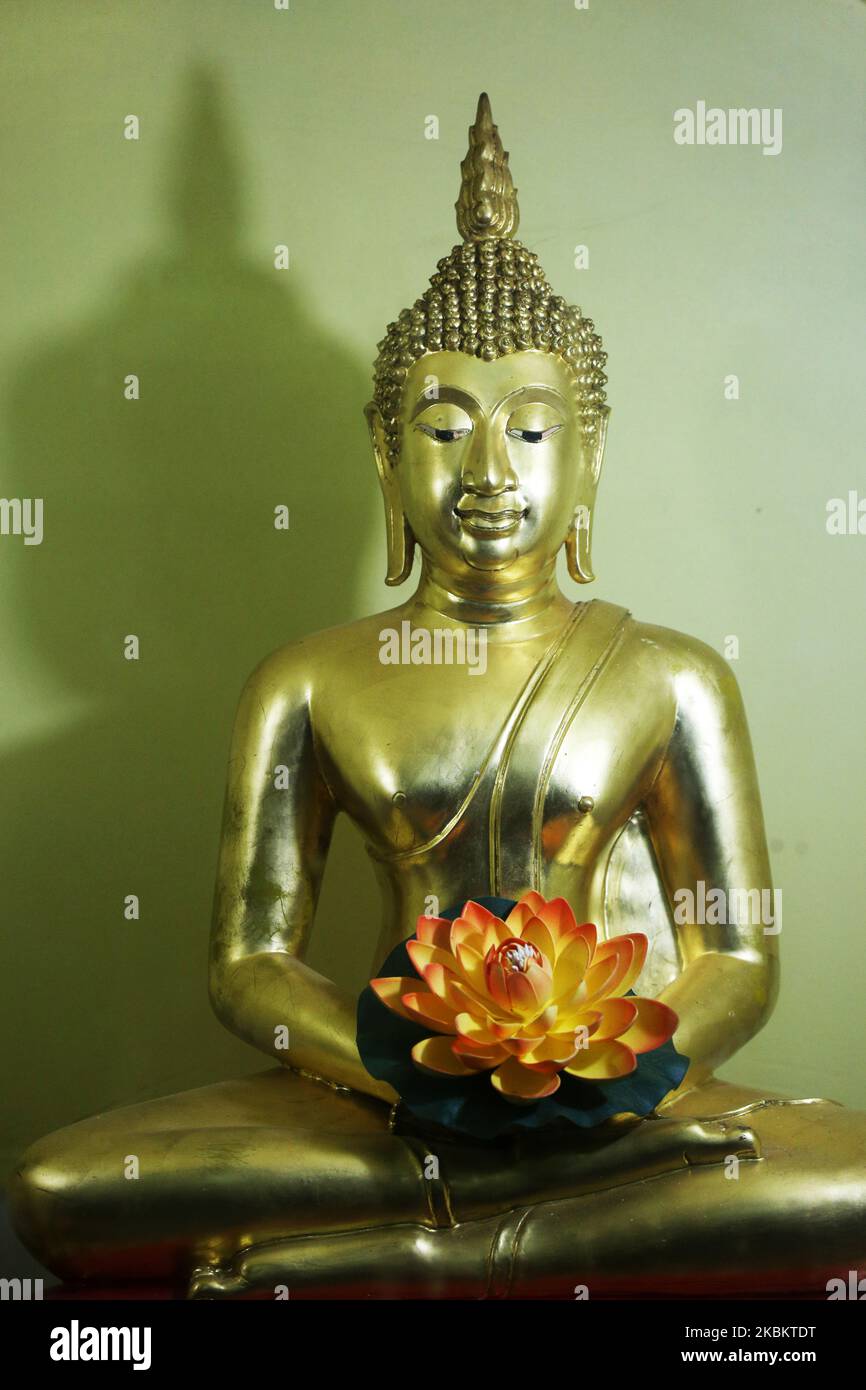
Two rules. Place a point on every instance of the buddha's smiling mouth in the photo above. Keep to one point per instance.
(492, 519)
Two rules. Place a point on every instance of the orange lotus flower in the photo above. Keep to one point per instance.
(526, 998)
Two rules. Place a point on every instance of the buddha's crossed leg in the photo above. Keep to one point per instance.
(276, 1181)
(784, 1223)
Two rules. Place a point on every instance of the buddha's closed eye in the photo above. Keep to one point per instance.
(447, 436)
(533, 436)
(443, 436)
(532, 422)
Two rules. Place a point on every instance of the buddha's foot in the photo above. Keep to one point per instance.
(402, 1261)
(215, 1281)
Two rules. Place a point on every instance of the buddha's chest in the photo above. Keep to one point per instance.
(437, 760)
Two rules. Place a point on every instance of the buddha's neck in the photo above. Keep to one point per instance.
(523, 608)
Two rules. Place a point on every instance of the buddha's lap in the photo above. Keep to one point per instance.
(276, 1155)
(233, 1156)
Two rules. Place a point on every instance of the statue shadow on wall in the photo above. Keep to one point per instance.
(159, 522)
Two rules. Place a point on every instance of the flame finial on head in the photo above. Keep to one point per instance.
(487, 206)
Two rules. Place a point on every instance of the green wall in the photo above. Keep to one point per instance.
(155, 257)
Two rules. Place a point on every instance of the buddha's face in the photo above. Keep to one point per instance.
(492, 466)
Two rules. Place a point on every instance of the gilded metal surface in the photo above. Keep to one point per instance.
(594, 756)
(487, 205)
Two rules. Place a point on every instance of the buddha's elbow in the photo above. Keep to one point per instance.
(241, 989)
(223, 992)
(758, 994)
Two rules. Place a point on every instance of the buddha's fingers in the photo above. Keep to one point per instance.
(652, 1147)
(690, 1142)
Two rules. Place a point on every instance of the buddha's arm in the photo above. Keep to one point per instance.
(276, 833)
(707, 827)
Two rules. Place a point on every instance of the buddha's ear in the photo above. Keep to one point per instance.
(401, 542)
(578, 542)
(596, 452)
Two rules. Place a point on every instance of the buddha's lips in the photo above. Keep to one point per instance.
(489, 518)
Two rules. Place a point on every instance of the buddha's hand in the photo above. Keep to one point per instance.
(662, 1144)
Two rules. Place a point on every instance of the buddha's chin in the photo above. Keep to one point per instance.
(489, 553)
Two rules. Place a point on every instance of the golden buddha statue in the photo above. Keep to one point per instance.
(596, 758)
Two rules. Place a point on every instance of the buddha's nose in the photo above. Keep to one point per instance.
(487, 467)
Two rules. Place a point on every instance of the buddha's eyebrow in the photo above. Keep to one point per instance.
(444, 393)
(536, 393)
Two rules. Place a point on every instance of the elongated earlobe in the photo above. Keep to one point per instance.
(578, 542)
(400, 541)
(578, 556)
(401, 548)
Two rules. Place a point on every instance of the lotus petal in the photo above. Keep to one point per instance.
(439, 980)
(635, 964)
(468, 934)
(471, 962)
(506, 1030)
(603, 1061)
(430, 1009)
(493, 928)
(571, 967)
(538, 933)
(579, 1017)
(422, 956)
(541, 1026)
(481, 1006)
(587, 931)
(528, 990)
(391, 989)
(520, 1046)
(476, 1030)
(558, 1047)
(477, 1059)
(534, 901)
(518, 917)
(434, 931)
(520, 1083)
(439, 970)
(494, 978)
(615, 1016)
(558, 917)
(437, 1055)
(603, 976)
(654, 1024)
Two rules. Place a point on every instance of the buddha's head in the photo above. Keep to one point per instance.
(488, 418)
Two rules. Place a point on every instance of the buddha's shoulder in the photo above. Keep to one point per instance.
(313, 663)
(689, 666)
